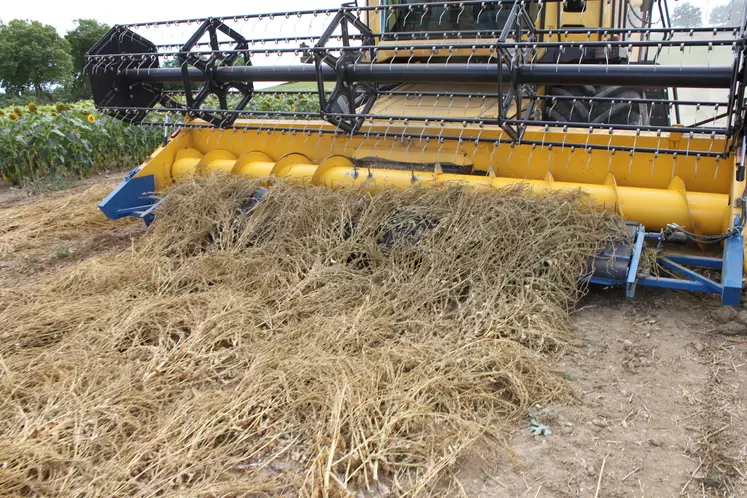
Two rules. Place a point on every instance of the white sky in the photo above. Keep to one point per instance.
(61, 13)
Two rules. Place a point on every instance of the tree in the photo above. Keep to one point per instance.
(81, 39)
(687, 15)
(32, 56)
(728, 14)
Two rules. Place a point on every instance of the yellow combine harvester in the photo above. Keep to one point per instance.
(490, 93)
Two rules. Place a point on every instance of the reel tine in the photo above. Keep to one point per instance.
(565, 136)
(281, 134)
(511, 153)
(570, 156)
(409, 142)
(394, 139)
(459, 142)
(529, 158)
(633, 150)
(496, 144)
(347, 142)
(425, 147)
(320, 134)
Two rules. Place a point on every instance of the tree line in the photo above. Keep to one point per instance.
(688, 15)
(38, 65)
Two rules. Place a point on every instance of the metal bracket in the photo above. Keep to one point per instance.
(347, 96)
(207, 67)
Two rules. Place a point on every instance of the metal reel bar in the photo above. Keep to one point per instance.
(355, 65)
(207, 67)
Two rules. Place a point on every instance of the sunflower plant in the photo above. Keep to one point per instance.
(66, 141)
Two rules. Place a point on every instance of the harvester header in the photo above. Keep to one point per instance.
(587, 95)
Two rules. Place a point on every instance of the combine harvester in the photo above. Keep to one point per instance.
(572, 95)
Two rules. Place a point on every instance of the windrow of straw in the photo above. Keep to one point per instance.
(314, 344)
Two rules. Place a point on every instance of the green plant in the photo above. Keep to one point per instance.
(63, 141)
(539, 419)
(61, 252)
(68, 141)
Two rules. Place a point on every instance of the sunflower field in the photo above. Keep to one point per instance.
(67, 141)
(60, 141)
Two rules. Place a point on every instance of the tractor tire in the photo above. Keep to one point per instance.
(620, 111)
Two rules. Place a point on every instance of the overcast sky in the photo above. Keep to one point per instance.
(61, 13)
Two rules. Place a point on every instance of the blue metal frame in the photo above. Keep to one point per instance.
(730, 265)
(631, 280)
(135, 197)
(633, 262)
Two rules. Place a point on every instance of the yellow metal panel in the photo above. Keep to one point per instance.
(160, 161)
(567, 164)
(439, 105)
(589, 18)
(702, 212)
(216, 161)
(185, 164)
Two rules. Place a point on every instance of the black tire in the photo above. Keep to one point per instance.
(619, 111)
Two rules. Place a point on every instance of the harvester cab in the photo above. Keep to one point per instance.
(578, 95)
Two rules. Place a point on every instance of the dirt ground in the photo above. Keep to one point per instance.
(660, 395)
(660, 409)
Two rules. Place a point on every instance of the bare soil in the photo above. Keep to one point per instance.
(660, 396)
(660, 408)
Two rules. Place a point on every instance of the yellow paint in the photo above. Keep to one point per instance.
(184, 167)
(566, 164)
(216, 161)
(555, 18)
(648, 190)
(160, 162)
(589, 18)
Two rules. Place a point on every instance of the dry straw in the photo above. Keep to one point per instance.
(38, 225)
(313, 344)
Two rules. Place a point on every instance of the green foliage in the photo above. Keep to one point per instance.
(687, 15)
(272, 102)
(32, 57)
(81, 39)
(65, 141)
(61, 252)
(264, 101)
(539, 420)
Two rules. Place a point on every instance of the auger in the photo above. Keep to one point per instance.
(571, 95)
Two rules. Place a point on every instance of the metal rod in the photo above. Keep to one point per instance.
(439, 137)
(442, 120)
(491, 45)
(329, 12)
(427, 35)
(424, 93)
(540, 74)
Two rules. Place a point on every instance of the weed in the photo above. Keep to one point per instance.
(61, 252)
